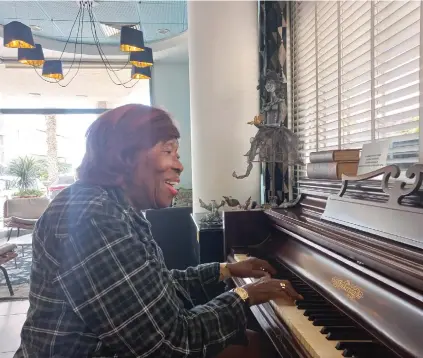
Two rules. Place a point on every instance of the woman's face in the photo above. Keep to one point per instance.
(156, 172)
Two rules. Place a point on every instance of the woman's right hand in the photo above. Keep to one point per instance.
(267, 289)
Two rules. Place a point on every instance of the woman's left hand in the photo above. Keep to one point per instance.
(251, 267)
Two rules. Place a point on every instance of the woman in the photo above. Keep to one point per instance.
(99, 285)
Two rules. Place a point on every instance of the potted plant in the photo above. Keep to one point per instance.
(25, 170)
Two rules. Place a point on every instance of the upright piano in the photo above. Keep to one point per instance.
(354, 250)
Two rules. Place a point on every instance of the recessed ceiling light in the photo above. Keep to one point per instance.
(35, 27)
(34, 94)
(163, 31)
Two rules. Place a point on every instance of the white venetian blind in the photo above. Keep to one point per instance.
(356, 68)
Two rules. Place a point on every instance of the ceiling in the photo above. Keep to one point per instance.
(54, 19)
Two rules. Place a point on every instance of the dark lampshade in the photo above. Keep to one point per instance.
(131, 39)
(53, 69)
(31, 56)
(17, 35)
(142, 58)
(141, 73)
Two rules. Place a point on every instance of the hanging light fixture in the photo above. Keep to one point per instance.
(31, 56)
(141, 73)
(53, 69)
(142, 58)
(18, 35)
(131, 39)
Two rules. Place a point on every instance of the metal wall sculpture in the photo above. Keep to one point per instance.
(274, 145)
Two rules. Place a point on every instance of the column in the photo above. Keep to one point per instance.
(223, 70)
(170, 91)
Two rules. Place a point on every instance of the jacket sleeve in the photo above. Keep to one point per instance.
(114, 282)
(199, 277)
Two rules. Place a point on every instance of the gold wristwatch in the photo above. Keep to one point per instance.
(241, 292)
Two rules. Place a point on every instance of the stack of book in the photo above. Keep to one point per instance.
(332, 164)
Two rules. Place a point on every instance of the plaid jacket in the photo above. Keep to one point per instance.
(100, 288)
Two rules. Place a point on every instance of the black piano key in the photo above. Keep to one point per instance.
(307, 296)
(306, 292)
(357, 346)
(315, 300)
(310, 311)
(331, 322)
(326, 330)
(347, 353)
(387, 354)
(302, 305)
(314, 316)
(340, 334)
(370, 349)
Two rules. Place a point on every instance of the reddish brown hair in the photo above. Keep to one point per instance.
(116, 136)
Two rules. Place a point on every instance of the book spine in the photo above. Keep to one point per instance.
(322, 170)
(322, 157)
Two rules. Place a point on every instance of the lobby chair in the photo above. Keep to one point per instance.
(174, 231)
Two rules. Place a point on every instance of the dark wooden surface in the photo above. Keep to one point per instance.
(390, 274)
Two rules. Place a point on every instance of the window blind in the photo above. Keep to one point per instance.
(356, 76)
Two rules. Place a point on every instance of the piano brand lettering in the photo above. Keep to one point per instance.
(353, 292)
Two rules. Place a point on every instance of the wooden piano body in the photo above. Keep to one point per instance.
(365, 290)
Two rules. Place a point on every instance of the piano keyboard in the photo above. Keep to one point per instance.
(320, 327)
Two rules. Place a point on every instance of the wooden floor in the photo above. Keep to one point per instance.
(12, 317)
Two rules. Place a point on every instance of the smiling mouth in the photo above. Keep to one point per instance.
(170, 185)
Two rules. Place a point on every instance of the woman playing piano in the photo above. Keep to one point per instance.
(99, 285)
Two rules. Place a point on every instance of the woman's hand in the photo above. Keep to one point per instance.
(251, 267)
(267, 289)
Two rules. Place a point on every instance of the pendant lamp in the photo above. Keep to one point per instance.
(142, 58)
(31, 56)
(141, 73)
(17, 35)
(131, 39)
(53, 69)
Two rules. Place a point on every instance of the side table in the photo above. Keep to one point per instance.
(210, 239)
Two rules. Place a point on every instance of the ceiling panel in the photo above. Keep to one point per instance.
(23, 10)
(118, 11)
(151, 31)
(58, 10)
(164, 12)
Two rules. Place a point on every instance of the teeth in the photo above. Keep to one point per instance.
(171, 182)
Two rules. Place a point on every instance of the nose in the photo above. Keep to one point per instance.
(177, 166)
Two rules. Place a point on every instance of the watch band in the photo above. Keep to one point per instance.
(224, 271)
(242, 293)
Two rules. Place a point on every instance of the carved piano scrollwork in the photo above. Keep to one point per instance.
(389, 219)
(398, 191)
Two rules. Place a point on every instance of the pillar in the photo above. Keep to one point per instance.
(170, 91)
(223, 71)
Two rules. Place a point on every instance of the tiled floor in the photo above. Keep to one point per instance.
(12, 317)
